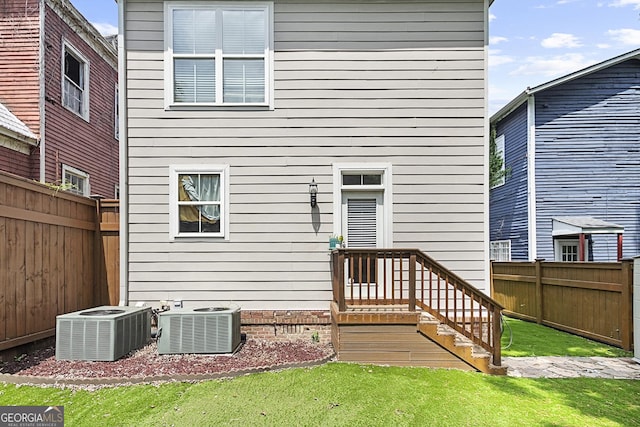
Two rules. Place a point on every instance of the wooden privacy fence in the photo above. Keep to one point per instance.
(52, 258)
(590, 299)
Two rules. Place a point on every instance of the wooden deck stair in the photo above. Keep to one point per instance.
(395, 336)
(459, 345)
(402, 307)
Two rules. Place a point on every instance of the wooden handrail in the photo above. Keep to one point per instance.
(363, 276)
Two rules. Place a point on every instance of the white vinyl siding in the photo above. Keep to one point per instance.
(386, 83)
(218, 54)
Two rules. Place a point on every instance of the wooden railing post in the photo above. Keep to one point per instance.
(497, 350)
(339, 268)
(412, 282)
(539, 295)
(626, 310)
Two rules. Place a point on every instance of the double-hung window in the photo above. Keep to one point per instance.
(75, 81)
(218, 54)
(198, 201)
(75, 181)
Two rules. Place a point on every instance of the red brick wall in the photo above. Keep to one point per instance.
(89, 146)
(19, 52)
(287, 325)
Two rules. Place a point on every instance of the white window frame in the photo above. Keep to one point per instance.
(174, 216)
(67, 47)
(70, 170)
(170, 103)
(500, 151)
(559, 244)
(386, 185)
(499, 248)
(116, 113)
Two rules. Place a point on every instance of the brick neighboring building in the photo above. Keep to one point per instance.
(58, 77)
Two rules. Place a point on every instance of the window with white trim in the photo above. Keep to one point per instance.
(500, 250)
(199, 201)
(568, 250)
(500, 153)
(75, 181)
(75, 81)
(218, 54)
(116, 114)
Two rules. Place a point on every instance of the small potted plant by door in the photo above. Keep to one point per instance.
(333, 242)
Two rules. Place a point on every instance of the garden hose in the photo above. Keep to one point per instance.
(503, 322)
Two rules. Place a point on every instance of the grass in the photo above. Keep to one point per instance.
(340, 394)
(531, 339)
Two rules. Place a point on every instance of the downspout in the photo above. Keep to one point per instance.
(531, 175)
(124, 166)
(42, 94)
(485, 162)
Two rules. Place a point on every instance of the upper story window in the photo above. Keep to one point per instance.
(75, 181)
(218, 54)
(75, 81)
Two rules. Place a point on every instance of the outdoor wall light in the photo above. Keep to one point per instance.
(313, 192)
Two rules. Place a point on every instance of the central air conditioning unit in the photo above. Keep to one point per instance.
(103, 333)
(200, 330)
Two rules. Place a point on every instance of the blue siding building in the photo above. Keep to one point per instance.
(572, 152)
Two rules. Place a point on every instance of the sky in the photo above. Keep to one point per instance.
(530, 41)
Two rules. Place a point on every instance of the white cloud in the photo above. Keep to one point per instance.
(497, 39)
(561, 40)
(495, 58)
(492, 17)
(551, 66)
(623, 3)
(105, 29)
(603, 46)
(625, 36)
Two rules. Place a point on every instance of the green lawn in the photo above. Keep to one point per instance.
(340, 394)
(531, 339)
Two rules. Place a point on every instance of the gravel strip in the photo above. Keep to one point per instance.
(146, 366)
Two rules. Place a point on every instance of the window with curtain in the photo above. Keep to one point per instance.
(218, 54)
(198, 201)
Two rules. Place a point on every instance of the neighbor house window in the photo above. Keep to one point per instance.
(75, 181)
(198, 201)
(500, 154)
(218, 54)
(116, 115)
(75, 81)
(568, 249)
(500, 250)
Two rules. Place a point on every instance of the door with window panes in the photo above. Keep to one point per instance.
(362, 224)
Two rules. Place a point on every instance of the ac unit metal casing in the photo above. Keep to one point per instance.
(103, 333)
(200, 330)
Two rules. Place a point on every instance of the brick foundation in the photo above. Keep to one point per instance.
(287, 325)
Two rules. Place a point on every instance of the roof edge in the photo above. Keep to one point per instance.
(518, 100)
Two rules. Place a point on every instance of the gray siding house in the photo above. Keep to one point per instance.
(230, 110)
(571, 147)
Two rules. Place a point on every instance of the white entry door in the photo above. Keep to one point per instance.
(362, 219)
